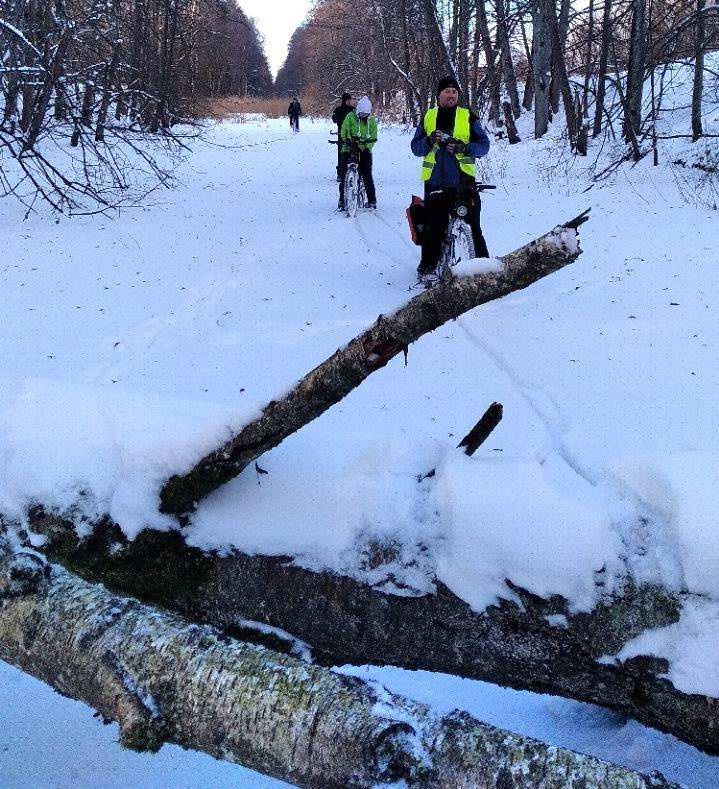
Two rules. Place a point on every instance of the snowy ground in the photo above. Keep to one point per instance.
(131, 344)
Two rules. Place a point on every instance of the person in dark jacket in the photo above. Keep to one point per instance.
(294, 111)
(338, 116)
(449, 138)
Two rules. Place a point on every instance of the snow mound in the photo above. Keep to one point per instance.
(682, 488)
(536, 523)
(100, 450)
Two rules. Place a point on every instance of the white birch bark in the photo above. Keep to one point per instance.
(164, 680)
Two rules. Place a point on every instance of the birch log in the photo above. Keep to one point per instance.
(348, 367)
(538, 644)
(164, 680)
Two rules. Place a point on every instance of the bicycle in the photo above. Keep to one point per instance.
(458, 243)
(355, 194)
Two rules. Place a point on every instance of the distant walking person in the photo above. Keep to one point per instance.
(294, 111)
(338, 116)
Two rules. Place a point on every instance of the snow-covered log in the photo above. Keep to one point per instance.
(349, 366)
(164, 680)
(540, 646)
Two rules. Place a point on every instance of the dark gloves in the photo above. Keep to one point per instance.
(452, 145)
(456, 146)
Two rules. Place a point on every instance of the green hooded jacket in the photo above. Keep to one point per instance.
(352, 126)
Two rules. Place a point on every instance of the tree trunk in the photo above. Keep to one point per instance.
(588, 61)
(541, 63)
(88, 103)
(512, 134)
(107, 93)
(347, 621)
(582, 127)
(463, 54)
(563, 27)
(510, 78)
(28, 100)
(629, 132)
(698, 84)
(528, 97)
(348, 367)
(153, 673)
(602, 73)
(436, 28)
(476, 49)
(560, 69)
(490, 64)
(10, 109)
(43, 99)
(635, 72)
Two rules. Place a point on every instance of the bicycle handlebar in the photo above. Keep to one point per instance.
(351, 140)
(462, 187)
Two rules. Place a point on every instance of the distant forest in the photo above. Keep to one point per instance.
(591, 60)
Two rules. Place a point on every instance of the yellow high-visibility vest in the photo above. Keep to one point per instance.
(461, 132)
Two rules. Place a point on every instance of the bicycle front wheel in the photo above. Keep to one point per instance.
(361, 193)
(462, 242)
(351, 190)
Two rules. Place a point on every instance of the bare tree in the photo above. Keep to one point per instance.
(636, 69)
(541, 64)
(698, 83)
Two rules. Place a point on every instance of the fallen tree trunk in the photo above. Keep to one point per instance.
(540, 646)
(164, 680)
(349, 366)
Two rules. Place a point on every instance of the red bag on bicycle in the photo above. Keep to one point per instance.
(416, 214)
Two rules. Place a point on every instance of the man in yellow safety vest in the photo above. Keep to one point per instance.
(449, 138)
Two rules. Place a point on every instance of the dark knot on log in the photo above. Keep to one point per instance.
(23, 573)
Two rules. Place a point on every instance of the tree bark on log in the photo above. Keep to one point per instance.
(349, 366)
(346, 621)
(164, 680)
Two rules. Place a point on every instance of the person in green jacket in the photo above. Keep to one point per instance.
(361, 125)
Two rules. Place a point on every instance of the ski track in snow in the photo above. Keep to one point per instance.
(635, 534)
(537, 398)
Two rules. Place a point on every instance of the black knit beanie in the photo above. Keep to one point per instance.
(447, 82)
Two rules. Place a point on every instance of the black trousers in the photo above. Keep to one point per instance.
(365, 168)
(437, 208)
(295, 122)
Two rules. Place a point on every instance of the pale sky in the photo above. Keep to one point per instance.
(276, 20)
